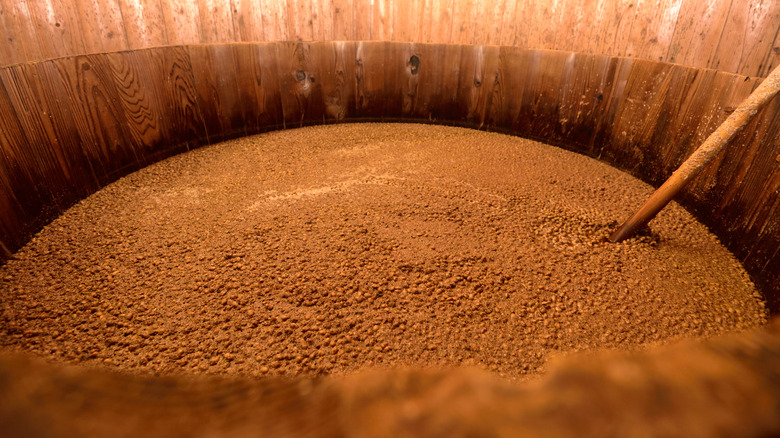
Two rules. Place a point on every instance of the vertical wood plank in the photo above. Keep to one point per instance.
(213, 69)
(478, 84)
(484, 28)
(494, 12)
(139, 97)
(535, 30)
(582, 100)
(37, 93)
(747, 38)
(370, 57)
(322, 20)
(336, 72)
(546, 83)
(11, 51)
(299, 20)
(362, 19)
(698, 32)
(316, 23)
(745, 166)
(725, 94)
(102, 25)
(638, 115)
(436, 25)
(301, 91)
(216, 22)
(19, 32)
(247, 20)
(653, 28)
(144, 23)
(510, 25)
(275, 21)
(610, 25)
(406, 16)
(259, 88)
(98, 116)
(772, 59)
(472, 61)
(573, 16)
(401, 77)
(21, 197)
(698, 111)
(438, 73)
(463, 22)
(57, 27)
(171, 72)
(17, 208)
(622, 16)
(615, 81)
(343, 25)
(511, 107)
(182, 21)
(450, 82)
(382, 20)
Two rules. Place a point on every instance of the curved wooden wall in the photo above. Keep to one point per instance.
(737, 36)
(71, 125)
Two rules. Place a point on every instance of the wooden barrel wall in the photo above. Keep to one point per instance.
(71, 125)
(737, 36)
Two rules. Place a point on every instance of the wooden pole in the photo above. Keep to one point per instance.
(702, 156)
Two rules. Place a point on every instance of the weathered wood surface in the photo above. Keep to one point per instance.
(71, 125)
(215, 78)
(736, 36)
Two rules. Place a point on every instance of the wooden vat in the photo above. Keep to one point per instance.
(73, 124)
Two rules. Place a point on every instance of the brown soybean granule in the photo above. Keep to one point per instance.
(332, 248)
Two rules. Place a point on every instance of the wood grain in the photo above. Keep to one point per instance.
(247, 20)
(437, 87)
(463, 27)
(144, 23)
(749, 29)
(171, 70)
(182, 21)
(437, 22)
(477, 83)
(370, 58)
(57, 27)
(98, 116)
(698, 32)
(35, 91)
(335, 70)
(20, 198)
(214, 74)
(653, 28)
(274, 14)
(362, 20)
(737, 36)
(258, 85)
(343, 23)
(73, 124)
(102, 25)
(301, 91)
(382, 20)
(299, 20)
(137, 85)
(216, 22)
(18, 28)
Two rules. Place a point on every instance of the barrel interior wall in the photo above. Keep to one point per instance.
(72, 125)
(737, 36)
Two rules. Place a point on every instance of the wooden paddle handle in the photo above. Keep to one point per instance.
(702, 156)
